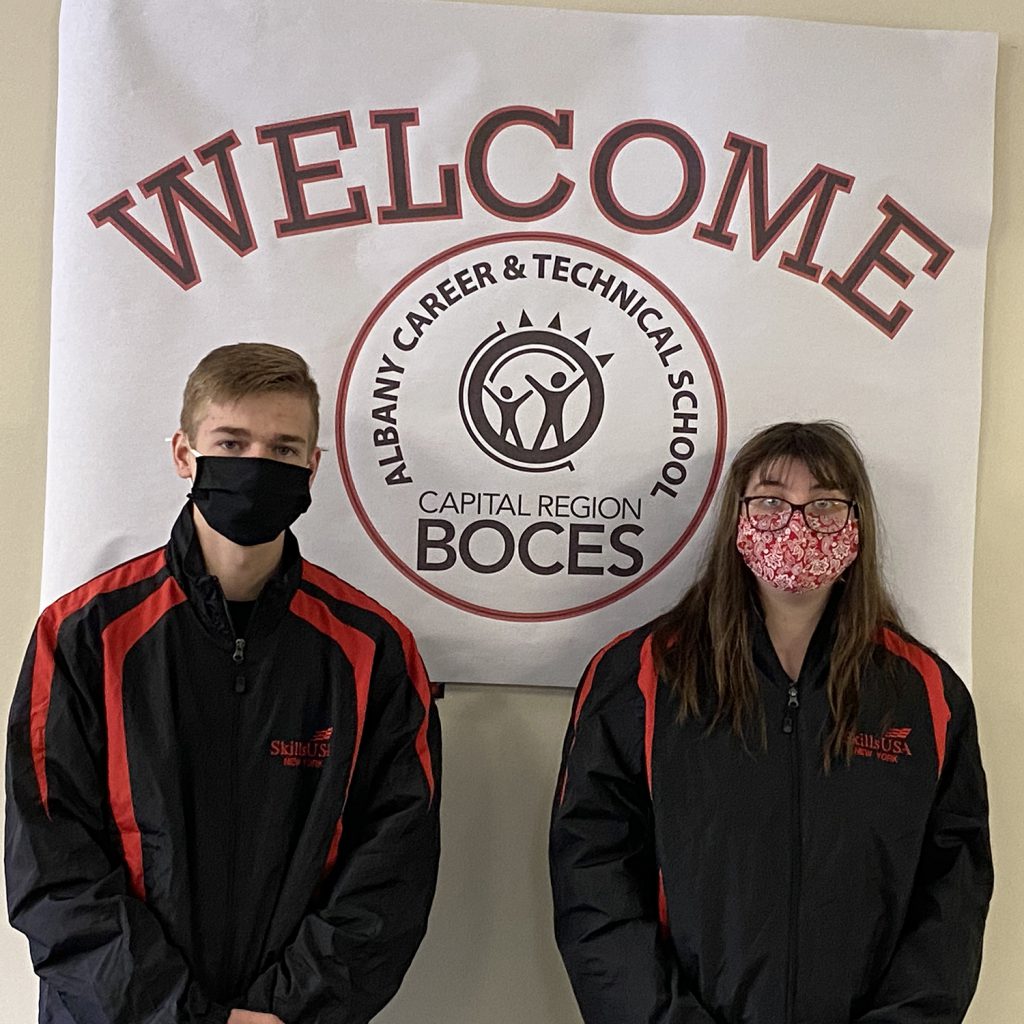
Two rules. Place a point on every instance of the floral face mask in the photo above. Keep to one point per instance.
(796, 558)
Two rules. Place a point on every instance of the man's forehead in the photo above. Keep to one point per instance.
(275, 415)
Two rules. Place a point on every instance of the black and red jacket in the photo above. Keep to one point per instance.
(198, 821)
(698, 882)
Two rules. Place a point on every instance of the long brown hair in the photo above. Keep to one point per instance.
(707, 633)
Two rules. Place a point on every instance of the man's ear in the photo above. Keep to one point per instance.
(181, 455)
(314, 464)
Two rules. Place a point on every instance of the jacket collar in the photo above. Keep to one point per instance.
(185, 560)
(814, 670)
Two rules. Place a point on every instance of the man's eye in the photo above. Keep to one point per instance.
(286, 452)
(227, 445)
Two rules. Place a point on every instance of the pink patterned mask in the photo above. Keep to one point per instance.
(796, 558)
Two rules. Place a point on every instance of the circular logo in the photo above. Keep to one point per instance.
(501, 399)
(530, 426)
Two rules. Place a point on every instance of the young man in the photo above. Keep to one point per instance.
(223, 762)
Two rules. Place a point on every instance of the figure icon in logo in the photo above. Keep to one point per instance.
(540, 384)
(555, 398)
(509, 407)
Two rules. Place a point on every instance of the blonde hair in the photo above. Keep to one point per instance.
(232, 372)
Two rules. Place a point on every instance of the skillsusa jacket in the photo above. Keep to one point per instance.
(696, 882)
(198, 821)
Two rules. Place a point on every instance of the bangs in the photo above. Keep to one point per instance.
(822, 468)
(825, 449)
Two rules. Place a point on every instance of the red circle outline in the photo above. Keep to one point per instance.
(382, 545)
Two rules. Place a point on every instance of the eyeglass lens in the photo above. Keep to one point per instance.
(826, 515)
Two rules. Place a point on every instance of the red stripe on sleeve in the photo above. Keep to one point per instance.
(135, 571)
(581, 698)
(359, 649)
(663, 929)
(332, 850)
(932, 676)
(647, 680)
(588, 679)
(342, 591)
(118, 639)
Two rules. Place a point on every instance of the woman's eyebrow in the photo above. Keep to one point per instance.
(770, 482)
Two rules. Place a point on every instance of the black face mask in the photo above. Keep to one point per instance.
(249, 501)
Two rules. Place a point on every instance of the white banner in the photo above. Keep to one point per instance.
(549, 268)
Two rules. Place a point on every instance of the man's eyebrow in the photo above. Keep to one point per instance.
(233, 431)
(243, 433)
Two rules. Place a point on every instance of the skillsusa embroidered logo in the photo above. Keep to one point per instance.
(309, 753)
(889, 747)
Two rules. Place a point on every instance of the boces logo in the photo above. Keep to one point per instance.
(497, 382)
(530, 426)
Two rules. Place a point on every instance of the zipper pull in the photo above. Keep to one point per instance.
(239, 656)
(791, 706)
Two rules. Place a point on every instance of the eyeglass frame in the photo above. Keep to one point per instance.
(851, 509)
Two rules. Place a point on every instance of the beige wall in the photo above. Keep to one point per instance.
(489, 957)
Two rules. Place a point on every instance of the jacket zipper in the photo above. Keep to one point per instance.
(238, 660)
(238, 657)
(789, 727)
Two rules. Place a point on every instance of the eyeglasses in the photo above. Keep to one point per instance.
(823, 515)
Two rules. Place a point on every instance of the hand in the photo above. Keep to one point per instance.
(253, 1017)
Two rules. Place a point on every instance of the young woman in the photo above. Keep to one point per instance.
(771, 808)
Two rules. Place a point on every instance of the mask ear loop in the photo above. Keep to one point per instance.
(196, 455)
(855, 519)
(193, 452)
